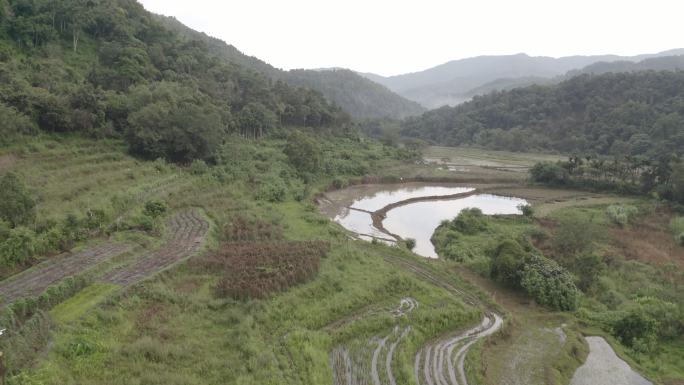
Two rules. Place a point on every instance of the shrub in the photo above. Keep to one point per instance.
(621, 214)
(198, 167)
(549, 173)
(18, 247)
(470, 221)
(410, 243)
(549, 284)
(16, 205)
(303, 152)
(508, 262)
(526, 210)
(155, 208)
(637, 330)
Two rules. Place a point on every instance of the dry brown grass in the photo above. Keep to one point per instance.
(648, 239)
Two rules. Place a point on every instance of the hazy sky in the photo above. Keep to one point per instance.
(396, 36)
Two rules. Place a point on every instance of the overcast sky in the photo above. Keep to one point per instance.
(390, 37)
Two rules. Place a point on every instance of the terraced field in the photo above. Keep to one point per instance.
(34, 281)
(187, 232)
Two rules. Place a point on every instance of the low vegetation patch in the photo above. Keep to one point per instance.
(255, 270)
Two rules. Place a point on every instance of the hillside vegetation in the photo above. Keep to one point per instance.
(457, 81)
(356, 95)
(108, 68)
(622, 114)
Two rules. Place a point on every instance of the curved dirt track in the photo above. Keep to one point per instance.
(187, 232)
(35, 280)
(373, 363)
(439, 363)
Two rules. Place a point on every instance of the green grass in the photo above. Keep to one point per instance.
(489, 158)
(76, 306)
(172, 329)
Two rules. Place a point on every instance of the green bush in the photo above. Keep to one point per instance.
(198, 167)
(410, 243)
(549, 173)
(549, 284)
(303, 152)
(155, 208)
(16, 205)
(470, 221)
(621, 214)
(637, 330)
(18, 247)
(527, 210)
(508, 262)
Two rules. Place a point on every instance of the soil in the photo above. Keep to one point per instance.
(187, 232)
(34, 281)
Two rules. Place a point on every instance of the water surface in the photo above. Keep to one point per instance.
(419, 220)
(604, 367)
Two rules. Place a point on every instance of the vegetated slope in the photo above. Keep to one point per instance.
(109, 68)
(451, 83)
(355, 94)
(665, 63)
(623, 114)
(358, 96)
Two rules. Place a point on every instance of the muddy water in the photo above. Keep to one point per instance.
(352, 209)
(604, 367)
(419, 220)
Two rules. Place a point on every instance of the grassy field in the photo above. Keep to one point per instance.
(175, 329)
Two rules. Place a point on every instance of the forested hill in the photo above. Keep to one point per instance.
(640, 113)
(666, 63)
(110, 68)
(360, 97)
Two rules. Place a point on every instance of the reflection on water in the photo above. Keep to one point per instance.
(381, 199)
(419, 220)
(359, 222)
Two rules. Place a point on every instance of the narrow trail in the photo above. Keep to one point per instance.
(187, 233)
(34, 281)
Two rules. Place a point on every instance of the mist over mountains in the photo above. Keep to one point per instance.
(458, 80)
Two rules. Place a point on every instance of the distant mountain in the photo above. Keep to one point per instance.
(666, 63)
(454, 82)
(358, 96)
(355, 94)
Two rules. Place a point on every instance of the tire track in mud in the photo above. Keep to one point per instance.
(437, 364)
(354, 369)
(187, 233)
(436, 360)
(34, 281)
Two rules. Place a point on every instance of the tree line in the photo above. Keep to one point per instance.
(635, 114)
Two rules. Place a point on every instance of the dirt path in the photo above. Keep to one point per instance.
(187, 232)
(35, 280)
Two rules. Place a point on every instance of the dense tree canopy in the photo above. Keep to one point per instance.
(111, 68)
(636, 114)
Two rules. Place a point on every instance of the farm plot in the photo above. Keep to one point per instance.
(34, 281)
(187, 232)
(371, 363)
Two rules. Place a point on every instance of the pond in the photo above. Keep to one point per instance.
(419, 220)
(352, 208)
